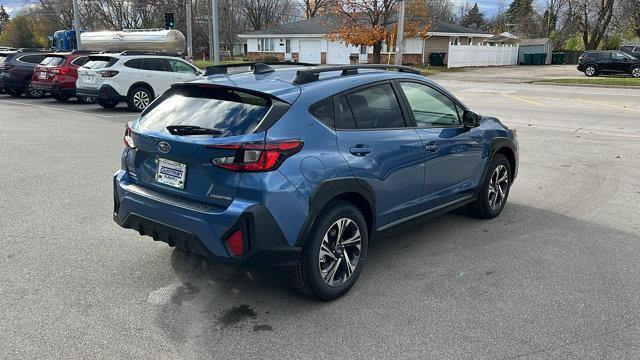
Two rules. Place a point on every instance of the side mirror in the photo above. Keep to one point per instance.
(470, 119)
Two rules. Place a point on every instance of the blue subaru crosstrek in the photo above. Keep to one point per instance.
(300, 166)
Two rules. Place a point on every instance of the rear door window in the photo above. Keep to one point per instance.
(376, 107)
(323, 111)
(155, 65)
(234, 112)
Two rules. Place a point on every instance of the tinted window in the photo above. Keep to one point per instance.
(344, 117)
(33, 59)
(80, 61)
(181, 67)
(323, 111)
(134, 63)
(376, 108)
(52, 61)
(429, 106)
(235, 112)
(626, 48)
(155, 65)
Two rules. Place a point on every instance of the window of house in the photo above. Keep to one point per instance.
(266, 44)
(454, 40)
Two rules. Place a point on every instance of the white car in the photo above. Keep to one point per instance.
(132, 77)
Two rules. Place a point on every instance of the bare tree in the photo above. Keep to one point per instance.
(313, 8)
(595, 17)
(263, 14)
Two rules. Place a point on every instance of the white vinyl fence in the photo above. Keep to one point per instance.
(481, 55)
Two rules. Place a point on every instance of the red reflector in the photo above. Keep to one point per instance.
(235, 242)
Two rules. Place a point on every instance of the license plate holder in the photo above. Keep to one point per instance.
(42, 75)
(171, 173)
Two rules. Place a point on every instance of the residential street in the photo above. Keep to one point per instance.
(556, 275)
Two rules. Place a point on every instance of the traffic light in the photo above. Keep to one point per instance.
(169, 21)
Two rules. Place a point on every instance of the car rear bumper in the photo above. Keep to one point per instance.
(202, 229)
(54, 88)
(105, 92)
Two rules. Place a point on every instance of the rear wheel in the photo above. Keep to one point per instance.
(591, 70)
(87, 100)
(31, 92)
(14, 92)
(635, 72)
(108, 104)
(334, 252)
(139, 98)
(495, 190)
(61, 98)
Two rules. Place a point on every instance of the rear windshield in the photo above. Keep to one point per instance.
(234, 112)
(99, 62)
(52, 61)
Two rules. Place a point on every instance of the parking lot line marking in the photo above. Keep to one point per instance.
(58, 109)
(523, 100)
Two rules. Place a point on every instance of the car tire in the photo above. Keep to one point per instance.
(139, 98)
(16, 93)
(32, 93)
(61, 98)
(591, 70)
(87, 100)
(334, 252)
(635, 72)
(108, 104)
(494, 192)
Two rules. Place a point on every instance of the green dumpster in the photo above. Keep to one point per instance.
(539, 59)
(557, 58)
(528, 59)
(437, 59)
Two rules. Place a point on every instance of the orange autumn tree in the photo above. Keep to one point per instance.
(374, 22)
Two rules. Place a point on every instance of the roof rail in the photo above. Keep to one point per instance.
(310, 75)
(142, 52)
(257, 67)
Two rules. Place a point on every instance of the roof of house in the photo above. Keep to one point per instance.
(321, 25)
(505, 38)
(538, 41)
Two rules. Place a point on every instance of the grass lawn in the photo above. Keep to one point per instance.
(434, 70)
(624, 81)
(203, 64)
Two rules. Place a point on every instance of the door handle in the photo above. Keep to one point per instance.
(432, 147)
(360, 150)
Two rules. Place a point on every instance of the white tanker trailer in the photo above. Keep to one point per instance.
(134, 39)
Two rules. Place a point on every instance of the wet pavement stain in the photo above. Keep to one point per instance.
(236, 314)
(263, 327)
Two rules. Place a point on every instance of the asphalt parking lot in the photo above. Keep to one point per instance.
(555, 276)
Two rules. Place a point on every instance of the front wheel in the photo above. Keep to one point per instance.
(590, 70)
(495, 189)
(108, 104)
(139, 99)
(334, 252)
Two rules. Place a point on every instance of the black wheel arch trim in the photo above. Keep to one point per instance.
(143, 84)
(329, 190)
(497, 144)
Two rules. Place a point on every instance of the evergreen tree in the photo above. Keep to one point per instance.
(474, 18)
(4, 17)
(527, 22)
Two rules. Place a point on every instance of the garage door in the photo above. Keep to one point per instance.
(310, 51)
(337, 53)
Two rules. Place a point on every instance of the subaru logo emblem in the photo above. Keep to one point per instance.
(164, 147)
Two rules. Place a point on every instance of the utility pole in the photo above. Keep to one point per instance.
(400, 37)
(189, 32)
(76, 24)
(214, 49)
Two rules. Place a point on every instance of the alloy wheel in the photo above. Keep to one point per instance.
(635, 72)
(590, 70)
(340, 252)
(141, 99)
(34, 92)
(498, 187)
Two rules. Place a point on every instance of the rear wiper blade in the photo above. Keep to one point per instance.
(193, 130)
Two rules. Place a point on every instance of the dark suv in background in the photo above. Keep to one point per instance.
(597, 62)
(17, 70)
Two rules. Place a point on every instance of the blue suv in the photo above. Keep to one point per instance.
(299, 167)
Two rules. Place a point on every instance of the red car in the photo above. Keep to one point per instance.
(57, 75)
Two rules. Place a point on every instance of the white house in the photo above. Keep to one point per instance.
(305, 41)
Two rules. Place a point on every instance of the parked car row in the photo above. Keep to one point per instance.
(106, 78)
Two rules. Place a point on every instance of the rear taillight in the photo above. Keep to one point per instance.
(256, 156)
(128, 136)
(108, 73)
(60, 71)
